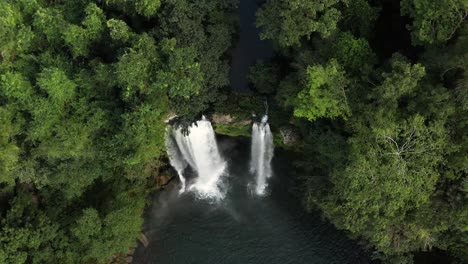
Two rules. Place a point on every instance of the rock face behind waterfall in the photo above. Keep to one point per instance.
(222, 119)
(199, 150)
(290, 135)
(226, 124)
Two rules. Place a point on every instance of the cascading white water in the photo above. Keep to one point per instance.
(175, 158)
(262, 154)
(199, 149)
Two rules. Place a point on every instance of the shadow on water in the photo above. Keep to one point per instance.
(249, 48)
(391, 34)
(243, 228)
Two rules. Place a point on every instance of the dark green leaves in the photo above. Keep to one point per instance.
(287, 22)
(325, 94)
(9, 152)
(55, 82)
(435, 21)
(182, 76)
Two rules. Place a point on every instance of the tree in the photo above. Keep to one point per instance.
(26, 234)
(119, 30)
(392, 171)
(145, 8)
(325, 95)
(287, 22)
(142, 140)
(9, 152)
(50, 24)
(359, 17)
(80, 38)
(353, 53)
(15, 36)
(135, 68)
(59, 88)
(264, 77)
(182, 75)
(434, 21)
(198, 37)
(84, 91)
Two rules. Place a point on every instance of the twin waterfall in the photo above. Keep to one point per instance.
(262, 153)
(197, 148)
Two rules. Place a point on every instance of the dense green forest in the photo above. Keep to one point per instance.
(84, 91)
(377, 89)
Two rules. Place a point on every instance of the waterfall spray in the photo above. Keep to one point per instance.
(199, 149)
(175, 158)
(262, 153)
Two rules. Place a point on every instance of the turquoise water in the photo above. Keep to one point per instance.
(243, 228)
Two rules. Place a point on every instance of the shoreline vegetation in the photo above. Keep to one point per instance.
(370, 95)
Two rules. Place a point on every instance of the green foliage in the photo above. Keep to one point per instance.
(26, 233)
(264, 77)
(98, 237)
(145, 8)
(233, 130)
(182, 76)
(287, 22)
(240, 106)
(198, 37)
(9, 152)
(119, 30)
(133, 71)
(325, 95)
(76, 37)
(144, 136)
(85, 87)
(393, 173)
(353, 53)
(15, 36)
(16, 89)
(434, 21)
(287, 87)
(88, 227)
(50, 23)
(386, 185)
(401, 81)
(80, 38)
(55, 82)
(359, 17)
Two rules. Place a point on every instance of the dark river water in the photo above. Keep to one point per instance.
(243, 228)
(249, 48)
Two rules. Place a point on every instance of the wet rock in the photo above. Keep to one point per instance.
(290, 135)
(143, 239)
(163, 179)
(245, 122)
(170, 116)
(222, 119)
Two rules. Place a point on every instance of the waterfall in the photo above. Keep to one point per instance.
(262, 154)
(175, 158)
(199, 149)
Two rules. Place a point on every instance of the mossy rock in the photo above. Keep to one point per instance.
(234, 129)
